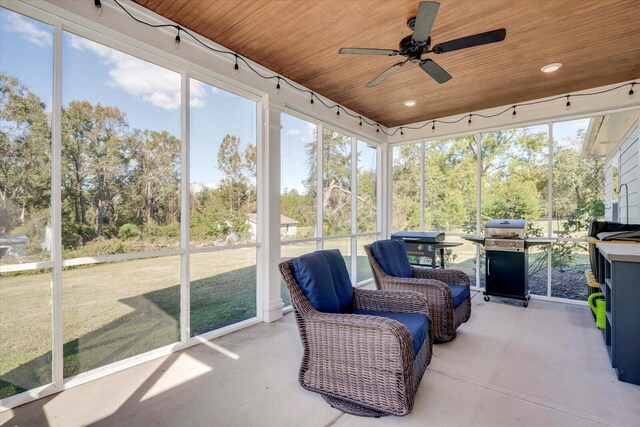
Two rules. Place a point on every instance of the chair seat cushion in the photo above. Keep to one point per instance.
(417, 323)
(324, 280)
(392, 257)
(459, 293)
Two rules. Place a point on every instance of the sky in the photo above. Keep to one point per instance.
(295, 134)
(149, 95)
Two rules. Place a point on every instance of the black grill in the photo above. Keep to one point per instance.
(426, 246)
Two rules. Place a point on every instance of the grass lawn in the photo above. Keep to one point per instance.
(116, 310)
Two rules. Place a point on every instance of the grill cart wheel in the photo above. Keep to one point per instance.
(526, 304)
(486, 298)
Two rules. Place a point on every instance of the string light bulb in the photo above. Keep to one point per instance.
(236, 67)
(278, 85)
(177, 41)
(631, 90)
(401, 132)
(469, 122)
(360, 121)
(378, 129)
(514, 112)
(338, 112)
(98, 5)
(568, 104)
(433, 126)
(312, 97)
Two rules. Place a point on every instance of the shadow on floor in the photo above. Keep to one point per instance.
(216, 301)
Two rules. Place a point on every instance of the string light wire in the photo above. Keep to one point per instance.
(361, 119)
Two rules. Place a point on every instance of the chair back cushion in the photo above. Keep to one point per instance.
(324, 280)
(392, 257)
(417, 323)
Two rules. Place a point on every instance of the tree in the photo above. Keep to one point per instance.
(156, 176)
(96, 165)
(450, 183)
(406, 187)
(514, 176)
(336, 198)
(25, 149)
(366, 209)
(237, 189)
(299, 206)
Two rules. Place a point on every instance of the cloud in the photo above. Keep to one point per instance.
(294, 132)
(29, 31)
(198, 187)
(141, 79)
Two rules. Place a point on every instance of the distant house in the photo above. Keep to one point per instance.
(288, 226)
(13, 246)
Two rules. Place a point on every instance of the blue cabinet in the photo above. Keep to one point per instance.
(621, 286)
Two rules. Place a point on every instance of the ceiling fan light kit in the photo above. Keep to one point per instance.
(419, 43)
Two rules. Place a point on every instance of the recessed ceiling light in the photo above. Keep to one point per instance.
(410, 103)
(551, 67)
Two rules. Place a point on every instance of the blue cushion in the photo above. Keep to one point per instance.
(392, 257)
(324, 280)
(340, 276)
(417, 323)
(459, 294)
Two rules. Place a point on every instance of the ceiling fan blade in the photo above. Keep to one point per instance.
(435, 71)
(385, 74)
(366, 51)
(471, 41)
(424, 20)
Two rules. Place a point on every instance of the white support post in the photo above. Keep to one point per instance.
(550, 207)
(56, 212)
(478, 138)
(320, 185)
(386, 169)
(354, 207)
(381, 216)
(185, 238)
(422, 178)
(269, 212)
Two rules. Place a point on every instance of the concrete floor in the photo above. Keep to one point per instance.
(541, 366)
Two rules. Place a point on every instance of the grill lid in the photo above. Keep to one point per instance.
(506, 229)
(419, 236)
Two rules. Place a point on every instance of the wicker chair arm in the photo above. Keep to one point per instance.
(346, 320)
(448, 275)
(354, 328)
(411, 283)
(398, 301)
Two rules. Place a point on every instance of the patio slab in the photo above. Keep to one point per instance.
(543, 365)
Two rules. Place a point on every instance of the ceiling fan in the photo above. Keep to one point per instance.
(419, 43)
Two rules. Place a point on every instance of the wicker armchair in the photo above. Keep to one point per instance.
(361, 364)
(435, 285)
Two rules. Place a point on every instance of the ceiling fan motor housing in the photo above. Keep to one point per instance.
(410, 48)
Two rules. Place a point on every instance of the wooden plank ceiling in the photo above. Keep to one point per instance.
(598, 41)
